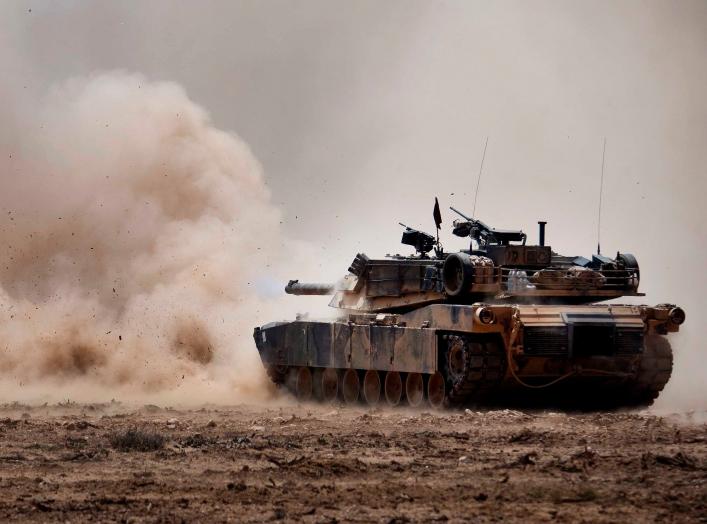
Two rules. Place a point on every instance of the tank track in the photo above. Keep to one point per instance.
(477, 373)
(474, 368)
(484, 367)
(654, 370)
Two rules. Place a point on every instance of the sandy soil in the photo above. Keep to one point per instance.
(326, 464)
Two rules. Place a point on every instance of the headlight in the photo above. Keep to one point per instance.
(677, 316)
(485, 315)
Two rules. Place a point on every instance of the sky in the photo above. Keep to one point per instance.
(360, 113)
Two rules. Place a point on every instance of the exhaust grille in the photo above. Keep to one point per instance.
(546, 341)
(587, 341)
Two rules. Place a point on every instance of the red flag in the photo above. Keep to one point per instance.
(436, 214)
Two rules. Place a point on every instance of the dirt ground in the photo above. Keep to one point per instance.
(328, 463)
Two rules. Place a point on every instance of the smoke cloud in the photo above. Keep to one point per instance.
(135, 236)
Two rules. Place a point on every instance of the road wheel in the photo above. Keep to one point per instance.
(436, 390)
(371, 387)
(393, 386)
(414, 389)
(299, 382)
(326, 384)
(350, 386)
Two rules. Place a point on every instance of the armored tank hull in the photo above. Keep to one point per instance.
(589, 356)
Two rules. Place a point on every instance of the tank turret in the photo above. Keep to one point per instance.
(498, 267)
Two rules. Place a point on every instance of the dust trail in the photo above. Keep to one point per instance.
(134, 235)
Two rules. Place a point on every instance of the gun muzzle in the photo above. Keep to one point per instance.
(294, 287)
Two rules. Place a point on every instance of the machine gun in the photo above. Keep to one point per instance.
(483, 234)
(421, 241)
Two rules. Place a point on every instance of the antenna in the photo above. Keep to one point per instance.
(478, 180)
(601, 190)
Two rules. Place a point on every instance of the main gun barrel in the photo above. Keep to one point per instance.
(294, 287)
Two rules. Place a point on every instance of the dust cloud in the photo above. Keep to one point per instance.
(135, 240)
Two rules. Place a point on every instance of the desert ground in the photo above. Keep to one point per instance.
(313, 463)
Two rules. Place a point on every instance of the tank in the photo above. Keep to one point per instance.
(499, 323)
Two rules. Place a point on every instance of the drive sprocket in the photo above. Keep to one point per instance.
(471, 366)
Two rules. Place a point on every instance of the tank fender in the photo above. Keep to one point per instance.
(461, 317)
